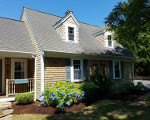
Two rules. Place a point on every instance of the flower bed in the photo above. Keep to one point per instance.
(61, 94)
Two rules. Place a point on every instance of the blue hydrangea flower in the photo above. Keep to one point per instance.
(43, 100)
(57, 106)
(83, 94)
(78, 95)
(57, 91)
(71, 100)
(69, 82)
(46, 89)
(57, 98)
(62, 107)
(53, 99)
(58, 88)
(43, 93)
(68, 104)
(69, 96)
(64, 97)
(39, 105)
(40, 95)
(76, 101)
(66, 89)
(62, 104)
(44, 104)
(71, 93)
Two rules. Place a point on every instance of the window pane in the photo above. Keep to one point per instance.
(117, 70)
(109, 37)
(77, 70)
(109, 43)
(70, 33)
(19, 70)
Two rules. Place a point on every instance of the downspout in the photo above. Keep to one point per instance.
(35, 78)
(41, 51)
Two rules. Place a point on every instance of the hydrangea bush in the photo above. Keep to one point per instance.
(61, 94)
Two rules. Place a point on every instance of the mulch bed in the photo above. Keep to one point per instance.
(34, 109)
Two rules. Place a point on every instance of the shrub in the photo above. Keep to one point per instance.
(61, 94)
(99, 86)
(104, 83)
(129, 88)
(90, 89)
(24, 98)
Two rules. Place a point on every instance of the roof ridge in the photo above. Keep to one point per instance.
(90, 24)
(60, 17)
(42, 12)
(11, 19)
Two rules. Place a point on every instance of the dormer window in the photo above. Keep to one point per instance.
(109, 40)
(71, 33)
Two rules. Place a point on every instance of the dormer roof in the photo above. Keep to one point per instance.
(68, 14)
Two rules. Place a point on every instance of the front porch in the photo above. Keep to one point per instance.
(16, 76)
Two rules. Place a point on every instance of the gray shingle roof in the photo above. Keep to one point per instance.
(14, 37)
(42, 24)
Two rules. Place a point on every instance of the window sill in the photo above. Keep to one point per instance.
(80, 80)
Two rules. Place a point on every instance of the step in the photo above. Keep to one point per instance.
(5, 105)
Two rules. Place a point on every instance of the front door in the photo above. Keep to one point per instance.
(1, 78)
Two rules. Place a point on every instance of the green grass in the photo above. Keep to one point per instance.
(102, 110)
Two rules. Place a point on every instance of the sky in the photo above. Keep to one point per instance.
(88, 11)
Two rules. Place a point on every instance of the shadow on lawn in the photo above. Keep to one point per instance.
(106, 110)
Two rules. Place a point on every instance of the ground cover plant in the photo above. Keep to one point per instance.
(61, 94)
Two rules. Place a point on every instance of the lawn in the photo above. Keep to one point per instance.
(102, 110)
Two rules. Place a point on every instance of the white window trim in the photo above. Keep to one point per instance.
(75, 33)
(3, 75)
(13, 66)
(114, 70)
(111, 41)
(106, 39)
(72, 70)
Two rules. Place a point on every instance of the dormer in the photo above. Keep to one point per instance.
(68, 28)
(105, 37)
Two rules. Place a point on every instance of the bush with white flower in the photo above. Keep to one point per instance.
(61, 94)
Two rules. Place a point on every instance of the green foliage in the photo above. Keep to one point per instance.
(61, 94)
(99, 86)
(24, 98)
(128, 88)
(104, 83)
(131, 22)
(147, 99)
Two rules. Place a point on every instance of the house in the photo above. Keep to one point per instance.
(64, 50)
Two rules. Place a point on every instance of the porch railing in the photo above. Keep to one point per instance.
(14, 86)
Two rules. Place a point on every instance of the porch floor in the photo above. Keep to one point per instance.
(3, 98)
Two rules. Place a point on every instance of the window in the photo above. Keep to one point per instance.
(109, 41)
(71, 33)
(117, 70)
(19, 70)
(77, 69)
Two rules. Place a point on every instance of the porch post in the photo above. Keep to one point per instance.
(6, 87)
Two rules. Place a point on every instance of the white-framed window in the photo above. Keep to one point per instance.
(19, 68)
(71, 33)
(116, 70)
(76, 70)
(109, 40)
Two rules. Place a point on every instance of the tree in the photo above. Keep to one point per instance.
(131, 23)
